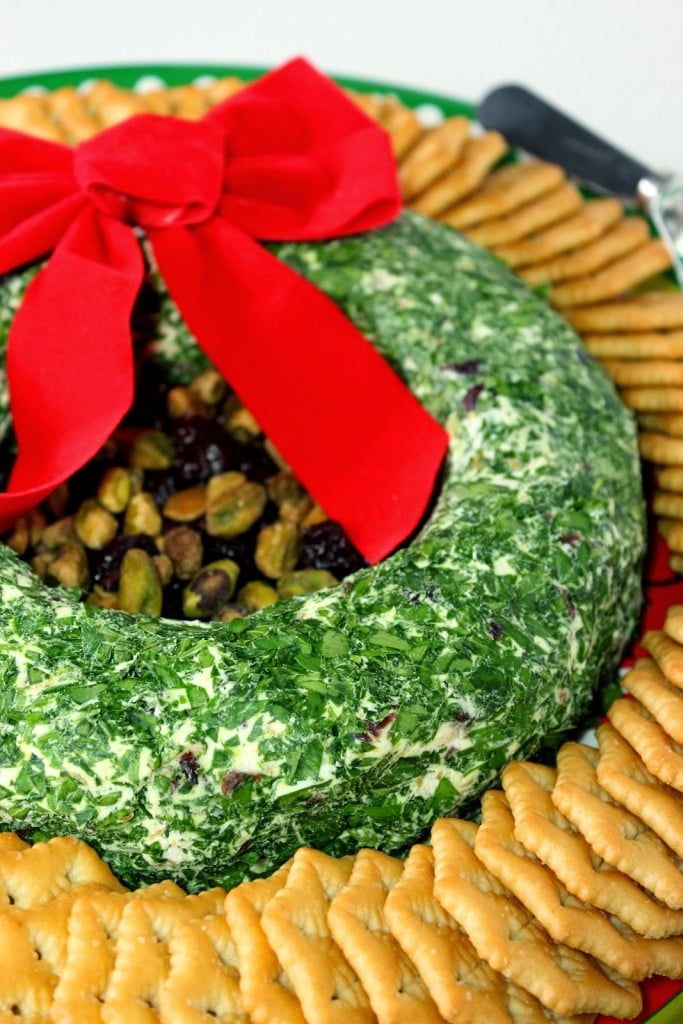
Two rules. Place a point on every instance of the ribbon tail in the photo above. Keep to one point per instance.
(70, 360)
(351, 431)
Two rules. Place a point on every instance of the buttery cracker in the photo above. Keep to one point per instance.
(566, 918)
(663, 699)
(616, 278)
(544, 831)
(655, 310)
(11, 841)
(479, 155)
(672, 531)
(462, 985)
(666, 345)
(29, 114)
(529, 218)
(661, 755)
(141, 958)
(617, 836)
(510, 939)
(633, 373)
(435, 153)
(594, 219)
(656, 399)
(35, 874)
(668, 654)
(505, 190)
(92, 933)
(622, 774)
(670, 478)
(296, 926)
(203, 980)
(359, 926)
(109, 104)
(619, 240)
(223, 88)
(402, 124)
(665, 451)
(266, 990)
(70, 111)
(667, 504)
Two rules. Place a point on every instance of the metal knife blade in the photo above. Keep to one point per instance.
(530, 123)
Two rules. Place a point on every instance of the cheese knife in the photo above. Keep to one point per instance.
(530, 123)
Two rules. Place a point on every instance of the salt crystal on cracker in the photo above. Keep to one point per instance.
(203, 979)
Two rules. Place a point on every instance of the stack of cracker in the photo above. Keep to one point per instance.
(566, 895)
(599, 267)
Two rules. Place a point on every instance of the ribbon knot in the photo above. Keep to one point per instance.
(289, 158)
(154, 172)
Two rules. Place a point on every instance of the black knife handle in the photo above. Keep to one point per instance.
(529, 123)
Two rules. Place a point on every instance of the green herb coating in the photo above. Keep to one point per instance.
(354, 716)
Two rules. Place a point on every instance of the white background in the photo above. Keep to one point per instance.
(616, 65)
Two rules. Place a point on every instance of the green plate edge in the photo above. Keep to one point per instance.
(126, 75)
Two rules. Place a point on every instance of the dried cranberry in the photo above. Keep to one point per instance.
(254, 461)
(326, 546)
(105, 565)
(160, 484)
(202, 449)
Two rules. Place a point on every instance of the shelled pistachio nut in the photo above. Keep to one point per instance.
(256, 594)
(184, 547)
(94, 525)
(305, 581)
(187, 505)
(233, 510)
(142, 515)
(277, 549)
(115, 489)
(69, 567)
(140, 590)
(151, 449)
(211, 589)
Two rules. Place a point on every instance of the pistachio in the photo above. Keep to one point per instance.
(277, 549)
(114, 489)
(211, 589)
(62, 531)
(94, 525)
(37, 521)
(183, 546)
(142, 515)
(102, 598)
(256, 594)
(69, 567)
(18, 539)
(180, 401)
(185, 506)
(235, 509)
(139, 587)
(40, 563)
(305, 581)
(208, 386)
(221, 483)
(291, 499)
(164, 567)
(316, 515)
(239, 422)
(56, 503)
(151, 449)
(230, 612)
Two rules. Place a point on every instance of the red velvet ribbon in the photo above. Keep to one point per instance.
(289, 158)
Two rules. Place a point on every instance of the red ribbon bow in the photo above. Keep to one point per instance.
(289, 158)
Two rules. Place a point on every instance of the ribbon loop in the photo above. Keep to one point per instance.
(153, 172)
